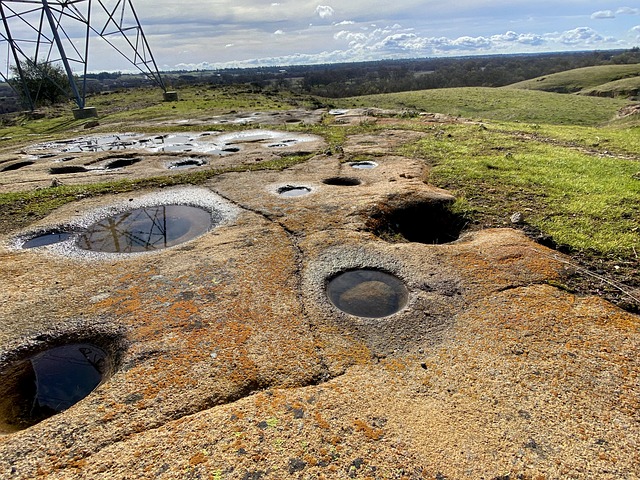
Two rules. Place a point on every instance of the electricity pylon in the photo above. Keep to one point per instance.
(40, 33)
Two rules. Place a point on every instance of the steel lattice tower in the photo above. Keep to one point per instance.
(39, 33)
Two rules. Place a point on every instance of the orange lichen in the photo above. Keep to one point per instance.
(369, 432)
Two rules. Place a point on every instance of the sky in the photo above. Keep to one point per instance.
(202, 34)
(208, 34)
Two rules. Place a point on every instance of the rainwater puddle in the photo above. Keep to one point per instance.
(146, 229)
(51, 382)
(367, 293)
(365, 165)
(47, 238)
(186, 163)
(213, 143)
(293, 191)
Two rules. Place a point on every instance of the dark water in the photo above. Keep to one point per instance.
(146, 229)
(367, 293)
(65, 375)
(364, 165)
(293, 191)
(48, 238)
(50, 382)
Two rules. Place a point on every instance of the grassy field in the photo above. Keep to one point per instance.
(511, 105)
(584, 80)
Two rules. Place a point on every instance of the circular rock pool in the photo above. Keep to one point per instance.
(367, 293)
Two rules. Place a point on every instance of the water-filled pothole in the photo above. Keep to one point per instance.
(364, 165)
(418, 221)
(47, 238)
(367, 293)
(186, 163)
(51, 381)
(293, 190)
(16, 166)
(146, 229)
(342, 181)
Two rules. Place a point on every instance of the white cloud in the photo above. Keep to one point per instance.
(628, 11)
(636, 30)
(344, 22)
(278, 32)
(580, 35)
(324, 11)
(275, 4)
(602, 14)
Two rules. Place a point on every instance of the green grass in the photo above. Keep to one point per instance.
(511, 105)
(619, 88)
(576, 80)
(583, 201)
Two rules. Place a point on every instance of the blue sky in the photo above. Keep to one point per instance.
(204, 34)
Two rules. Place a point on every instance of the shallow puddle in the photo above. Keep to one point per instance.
(365, 165)
(146, 229)
(186, 163)
(367, 293)
(48, 238)
(293, 191)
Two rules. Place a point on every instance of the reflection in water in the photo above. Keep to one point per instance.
(293, 191)
(367, 293)
(64, 376)
(146, 229)
(48, 238)
(364, 165)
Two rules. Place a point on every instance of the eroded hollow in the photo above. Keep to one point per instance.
(186, 163)
(47, 238)
(342, 181)
(367, 293)
(364, 165)
(146, 229)
(48, 379)
(16, 166)
(429, 222)
(293, 190)
(121, 163)
(67, 169)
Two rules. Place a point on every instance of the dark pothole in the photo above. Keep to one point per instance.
(293, 190)
(68, 169)
(342, 181)
(47, 238)
(420, 221)
(16, 166)
(367, 293)
(364, 165)
(50, 378)
(121, 163)
(146, 229)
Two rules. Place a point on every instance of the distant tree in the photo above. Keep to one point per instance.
(44, 83)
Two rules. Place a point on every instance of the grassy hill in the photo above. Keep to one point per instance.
(603, 80)
(510, 105)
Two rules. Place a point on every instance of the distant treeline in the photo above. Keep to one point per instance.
(386, 76)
